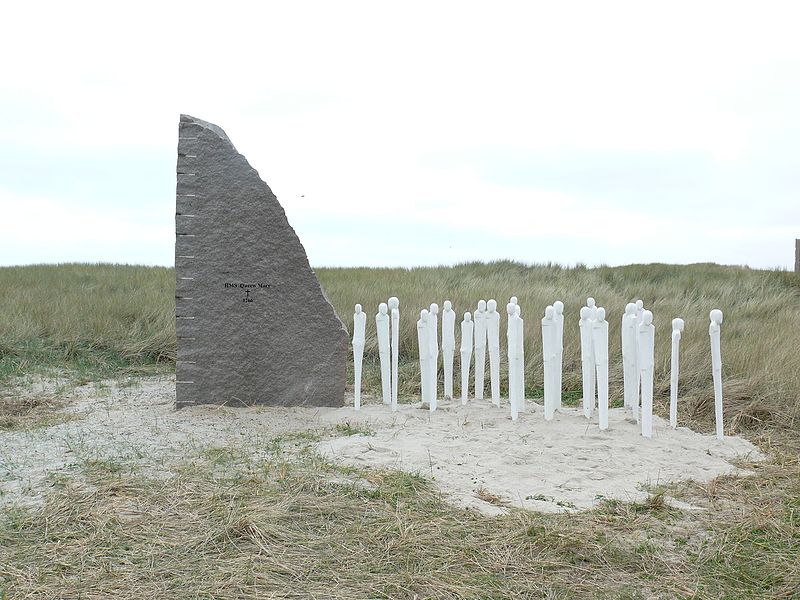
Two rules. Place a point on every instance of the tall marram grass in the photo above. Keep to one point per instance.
(116, 316)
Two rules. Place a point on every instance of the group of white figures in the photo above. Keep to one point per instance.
(638, 357)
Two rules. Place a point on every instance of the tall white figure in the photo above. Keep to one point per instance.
(513, 350)
(394, 308)
(493, 341)
(716, 366)
(592, 308)
(630, 359)
(467, 331)
(550, 356)
(677, 328)
(448, 346)
(359, 338)
(587, 362)
(558, 305)
(433, 337)
(382, 327)
(646, 365)
(600, 344)
(424, 358)
(520, 325)
(480, 348)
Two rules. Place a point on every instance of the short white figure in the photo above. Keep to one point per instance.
(558, 305)
(448, 346)
(480, 348)
(520, 325)
(592, 308)
(513, 350)
(716, 366)
(359, 339)
(630, 359)
(646, 365)
(433, 337)
(394, 308)
(550, 357)
(467, 332)
(587, 362)
(382, 327)
(600, 348)
(424, 357)
(493, 342)
(677, 328)
(639, 312)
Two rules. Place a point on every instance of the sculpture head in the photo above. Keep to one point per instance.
(448, 305)
(467, 316)
(481, 305)
(558, 305)
(434, 309)
(394, 303)
(630, 308)
(549, 312)
(513, 300)
(358, 309)
(590, 302)
(511, 308)
(716, 316)
(647, 317)
(677, 324)
(423, 314)
(382, 308)
(586, 312)
(639, 305)
(491, 305)
(601, 313)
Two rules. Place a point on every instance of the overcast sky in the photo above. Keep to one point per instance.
(412, 132)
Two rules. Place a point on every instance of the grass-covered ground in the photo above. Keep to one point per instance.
(295, 526)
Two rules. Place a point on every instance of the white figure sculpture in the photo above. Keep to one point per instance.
(467, 331)
(513, 351)
(600, 349)
(630, 359)
(639, 312)
(592, 308)
(558, 305)
(448, 346)
(716, 366)
(394, 308)
(520, 325)
(480, 348)
(587, 362)
(382, 328)
(359, 339)
(424, 357)
(646, 365)
(550, 356)
(677, 328)
(433, 337)
(493, 342)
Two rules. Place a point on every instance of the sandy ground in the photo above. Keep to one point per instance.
(472, 453)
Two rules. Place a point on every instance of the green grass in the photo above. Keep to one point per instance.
(225, 525)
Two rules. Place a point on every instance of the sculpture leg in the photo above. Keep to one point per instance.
(521, 385)
(465, 360)
(627, 390)
(358, 360)
(448, 374)
(512, 389)
(559, 378)
(602, 394)
(647, 403)
(548, 391)
(718, 402)
(434, 380)
(480, 367)
(394, 376)
(423, 377)
(638, 395)
(386, 384)
(494, 373)
(673, 397)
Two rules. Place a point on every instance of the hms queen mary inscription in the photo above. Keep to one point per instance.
(253, 324)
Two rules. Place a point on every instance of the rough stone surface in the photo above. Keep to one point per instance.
(253, 324)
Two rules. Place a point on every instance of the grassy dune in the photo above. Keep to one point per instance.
(292, 525)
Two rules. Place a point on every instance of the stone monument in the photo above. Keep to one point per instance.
(253, 324)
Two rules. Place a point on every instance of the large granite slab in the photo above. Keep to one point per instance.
(253, 324)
